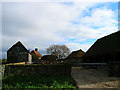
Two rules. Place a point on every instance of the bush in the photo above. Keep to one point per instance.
(48, 69)
(36, 81)
(4, 61)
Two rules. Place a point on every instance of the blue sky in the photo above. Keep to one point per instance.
(75, 24)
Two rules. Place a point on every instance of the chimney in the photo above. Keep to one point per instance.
(36, 49)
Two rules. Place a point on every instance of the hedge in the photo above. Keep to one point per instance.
(38, 69)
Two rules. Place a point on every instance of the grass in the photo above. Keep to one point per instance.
(32, 81)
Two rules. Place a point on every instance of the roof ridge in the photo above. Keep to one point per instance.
(108, 35)
(18, 44)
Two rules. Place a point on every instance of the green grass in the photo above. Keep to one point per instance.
(32, 81)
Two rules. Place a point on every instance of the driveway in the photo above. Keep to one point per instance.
(94, 78)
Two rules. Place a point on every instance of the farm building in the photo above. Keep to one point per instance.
(75, 56)
(36, 56)
(105, 50)
(18, 53)
(49, 59)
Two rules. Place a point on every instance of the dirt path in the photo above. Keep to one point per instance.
(91, 78)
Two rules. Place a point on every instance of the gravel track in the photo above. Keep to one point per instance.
(94, 78)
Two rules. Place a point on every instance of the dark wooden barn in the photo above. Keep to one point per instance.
(75, 56)
(105, 50)
(18, 53)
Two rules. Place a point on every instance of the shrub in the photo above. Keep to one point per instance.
(4, 61)
(36, 81)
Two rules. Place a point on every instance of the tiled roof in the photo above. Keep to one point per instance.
(75, 54)
(37, 53)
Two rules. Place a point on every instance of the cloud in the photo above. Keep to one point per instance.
(42, 24)
(77, 46)
(99, 23)
(60, 1)
(98, 16)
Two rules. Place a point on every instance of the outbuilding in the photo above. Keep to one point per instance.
(18, 53)
(106, 50)
(75, 57)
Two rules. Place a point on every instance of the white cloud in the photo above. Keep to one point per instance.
(101, 22)
(77, 46)
(100, 17)
(60, 1)
(42, 24)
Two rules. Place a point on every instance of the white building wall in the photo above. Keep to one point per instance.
(29, 58)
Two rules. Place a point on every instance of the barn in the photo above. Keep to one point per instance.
(49, 59)
(75, 56)
(36, 56)
(18, 53)
(106, 50)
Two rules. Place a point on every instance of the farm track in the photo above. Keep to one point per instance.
(94, 78)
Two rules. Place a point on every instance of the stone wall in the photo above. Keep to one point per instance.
(37, 69)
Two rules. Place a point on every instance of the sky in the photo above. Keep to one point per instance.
(41, 24)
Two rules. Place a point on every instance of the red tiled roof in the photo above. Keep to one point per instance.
(37, 53)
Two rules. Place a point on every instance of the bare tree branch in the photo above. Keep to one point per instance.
(61, 51)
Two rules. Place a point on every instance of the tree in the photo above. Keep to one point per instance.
(61, 51)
